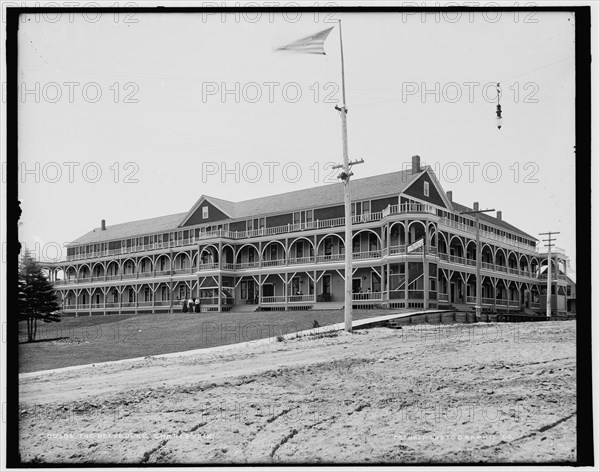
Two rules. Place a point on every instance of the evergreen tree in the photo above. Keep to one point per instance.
(36, 299)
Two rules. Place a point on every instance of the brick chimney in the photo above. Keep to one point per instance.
(476, 206)
(499, 215)
(102, 225)
(449, 195)
(416, 164)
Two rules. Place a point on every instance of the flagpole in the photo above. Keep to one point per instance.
(347, 200)
(314, 44)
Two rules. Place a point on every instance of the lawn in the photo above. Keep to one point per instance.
(91, 339)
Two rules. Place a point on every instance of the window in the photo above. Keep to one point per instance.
(204, 212)
(305, 216)
(356, 244)
(372, 242)
(327, 284)
(296, 286)
(256, 223)
(328, 246)
(426, 189)
(361, 208)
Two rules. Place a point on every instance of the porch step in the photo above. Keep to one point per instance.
(243, 308)
(328, 306)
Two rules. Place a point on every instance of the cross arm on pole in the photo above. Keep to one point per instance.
(346, 174)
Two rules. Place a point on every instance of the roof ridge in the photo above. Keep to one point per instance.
(406, 171)
(143, 219)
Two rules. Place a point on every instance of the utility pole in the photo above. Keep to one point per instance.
(476, 211)
(345, 177)
(549, 245)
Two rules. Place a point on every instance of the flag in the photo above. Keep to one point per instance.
(312, 44)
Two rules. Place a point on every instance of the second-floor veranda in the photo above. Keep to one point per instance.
(392, 213)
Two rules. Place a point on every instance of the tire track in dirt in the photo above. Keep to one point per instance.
(343, 399)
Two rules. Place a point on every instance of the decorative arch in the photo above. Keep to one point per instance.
(224, 253)
(289, 251)
(432, 234)
(59, 273)
(514, 258)
(399, 223)
(93, 267)
(460, 246)
(368, 230)
(490, 253)
(114, 262)
(81, 267)
(158, 263)
(455, 236)
(502, 251)
(397, 236)
(325, 237)
(526, 265)
(124, 266)
(416, 222)
(442, 243)
(209, 254)
(71, 270)
(239, 251)
(180, 257)
(142, 265)
(275, 241)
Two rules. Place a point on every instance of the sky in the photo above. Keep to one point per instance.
(126, 118)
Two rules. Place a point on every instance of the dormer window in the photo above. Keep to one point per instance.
(426, 188)
(204, 212)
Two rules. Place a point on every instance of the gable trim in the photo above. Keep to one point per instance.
(439, 188)
(203, 198)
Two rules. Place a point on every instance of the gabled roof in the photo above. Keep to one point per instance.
(225, 206)
(131, 229)
(377, 186)
(326, 195)
(438, 187)
(492, 220)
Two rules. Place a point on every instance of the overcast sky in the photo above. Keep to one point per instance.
(165, 131)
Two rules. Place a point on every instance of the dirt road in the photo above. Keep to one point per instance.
(446, 393)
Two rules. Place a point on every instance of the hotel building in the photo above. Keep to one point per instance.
(412, 248)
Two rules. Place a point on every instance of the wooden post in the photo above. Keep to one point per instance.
(347, 201)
